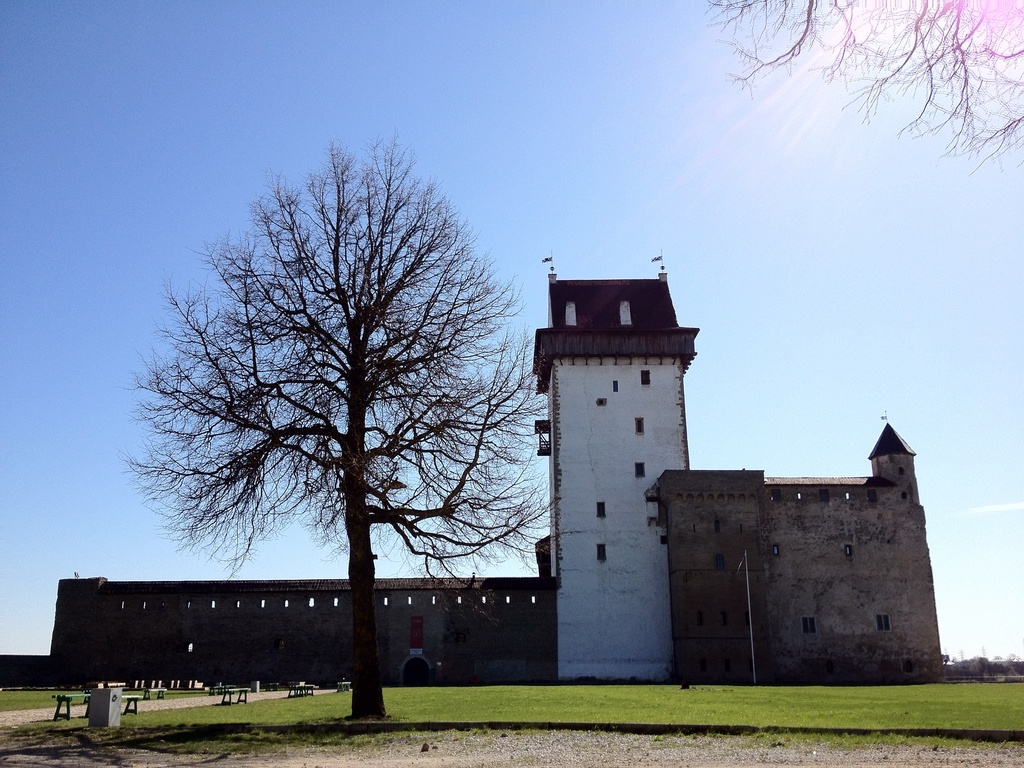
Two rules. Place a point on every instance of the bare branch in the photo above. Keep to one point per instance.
(962, 60)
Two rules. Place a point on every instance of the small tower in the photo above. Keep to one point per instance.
(893, 459)
(612, 365)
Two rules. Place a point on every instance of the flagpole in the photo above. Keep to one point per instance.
(750, 615)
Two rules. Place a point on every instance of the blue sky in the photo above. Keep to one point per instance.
(837, 271)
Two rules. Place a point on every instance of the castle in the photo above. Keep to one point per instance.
(652, 571)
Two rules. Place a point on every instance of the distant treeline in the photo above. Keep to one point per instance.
(981, 668)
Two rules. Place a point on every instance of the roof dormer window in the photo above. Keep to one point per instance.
(570, 313)
(624, 315)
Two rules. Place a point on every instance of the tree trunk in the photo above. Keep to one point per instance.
(367, 692)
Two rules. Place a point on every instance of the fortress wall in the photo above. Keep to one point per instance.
(846, 561)
(23, 670)
(828, 568)
(710, 628)
(300, 630)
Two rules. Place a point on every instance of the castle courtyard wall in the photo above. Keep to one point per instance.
(862, 570)
(491, 630)
(841, 584)
(713, 519)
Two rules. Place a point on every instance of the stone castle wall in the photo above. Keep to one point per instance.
(488, 631)
(713, 519)
(840, 579)
(861, 569)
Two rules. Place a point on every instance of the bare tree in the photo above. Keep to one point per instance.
(962, 60)
(351, 367)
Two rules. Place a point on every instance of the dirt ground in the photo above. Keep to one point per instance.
(458, 750)
(451, 749)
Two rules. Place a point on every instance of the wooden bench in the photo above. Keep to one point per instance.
(218, 689)
(67, 699)
(147, 693)
(298, 690)
(241, 695)
(131, 703)
(344, 685)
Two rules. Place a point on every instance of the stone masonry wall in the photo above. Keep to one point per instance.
(862, 571)
(496, 630)
(713, 520)
(840, 578)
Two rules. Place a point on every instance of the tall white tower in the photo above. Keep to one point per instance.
(612, 363)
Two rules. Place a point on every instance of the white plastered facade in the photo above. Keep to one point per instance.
(614, 617)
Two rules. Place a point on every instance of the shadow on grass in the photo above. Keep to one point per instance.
(215, 740)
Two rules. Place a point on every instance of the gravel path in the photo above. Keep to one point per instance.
(548, 749)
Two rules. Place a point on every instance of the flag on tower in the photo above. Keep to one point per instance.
(657, 258)
(546, 259)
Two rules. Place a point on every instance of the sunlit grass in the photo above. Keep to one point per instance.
(924, 706)
(875, 707)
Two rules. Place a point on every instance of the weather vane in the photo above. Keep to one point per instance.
(660, 258)
(549, 260)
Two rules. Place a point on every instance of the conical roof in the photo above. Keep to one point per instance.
(890, 442)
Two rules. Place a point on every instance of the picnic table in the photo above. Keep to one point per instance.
(241, 695)
(344, 685)
(147, 693)
(298, 690)
(131, 703)
(217, 690)
(66, 699)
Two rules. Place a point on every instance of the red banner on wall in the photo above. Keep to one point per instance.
(415, 632)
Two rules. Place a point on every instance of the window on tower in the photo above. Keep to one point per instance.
(639, 423)
(645, 378)
(600, 509)
(570, 313)
(639, 470)
(602, 554)
(625, 317)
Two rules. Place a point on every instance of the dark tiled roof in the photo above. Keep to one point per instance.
(597, 303)
(890, 442)
(652, 331)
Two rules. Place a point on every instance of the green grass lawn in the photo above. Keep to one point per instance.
(919, 706)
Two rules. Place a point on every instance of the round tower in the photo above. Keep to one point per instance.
(893, 459)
